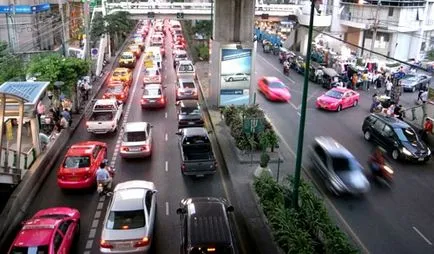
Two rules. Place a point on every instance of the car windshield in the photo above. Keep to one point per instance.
(334, 94)
(277, 85)
(189, 85)
(181, 56)
(151, 72)
(406, 134)
(127, 56)
(126, 219)
(152, 91)
(410, 78)
(135, 136)
(119, 73)
(43, 249)
(114, 89)
(77, 162)
(186, 67)
(341, 164)
(190, 111)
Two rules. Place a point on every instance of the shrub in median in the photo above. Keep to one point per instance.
(306, 230)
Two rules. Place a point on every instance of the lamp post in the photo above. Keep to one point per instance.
(303, 110)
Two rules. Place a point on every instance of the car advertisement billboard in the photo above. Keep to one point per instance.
(235, 72)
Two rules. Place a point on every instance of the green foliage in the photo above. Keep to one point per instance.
(306, 230)
(54, 67)
(265, 158)
(98, 27)
(203, 27)
(430, 55)
(202, 51)
(118, 25)
(11, 66)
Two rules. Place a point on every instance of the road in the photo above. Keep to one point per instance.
(386, 221)
(163, 168)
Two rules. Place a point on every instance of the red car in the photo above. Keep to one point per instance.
(274, 89)
(49, 231)
(117, 90)
(337, 99)
(80, 164)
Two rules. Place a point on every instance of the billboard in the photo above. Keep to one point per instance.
(235, 72)
(24, 9)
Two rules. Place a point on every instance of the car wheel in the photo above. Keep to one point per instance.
(355, 103)
(413, 89)
(395, 154)
(339, 108)
(230, 79)
(367, 135)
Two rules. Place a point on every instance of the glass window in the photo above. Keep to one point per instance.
(406, 134)
(334, 94)
(135, 136)
(196, 140)
(190, 111)
(77, 162)
(152, 91)
(43, 249)
(126, 219)
(321, 154)
(127, 56)
(151, 72)
(387, 130)
(64, 226)
(188, 85)
(378, 125)
(148, 200)
(277, 85)
(96, 151)
(58, 238)
(186, 67)
(341, 164)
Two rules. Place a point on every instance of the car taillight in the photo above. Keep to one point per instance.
(161, 100)
(105, 244)
(113, 125)
(182, 166)
(87, 125)
(144, 100)
(123, 148)
(180, 92)
(142, 242)
(215, 164)
(122, 96)
(104, 96)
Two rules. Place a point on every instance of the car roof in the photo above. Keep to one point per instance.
(82, 148)
(180, 51)
(271, 79)
(127, 53)
(153, 86)
(37, 231)
(342, 89)
(393, 121)
(183, 80)
(189, 103)
(135, 126)
(129, 195)
(195, 131)
(185, 62)
(332, 146)
(121, 69)
(208, 222)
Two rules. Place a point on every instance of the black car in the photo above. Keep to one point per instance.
(189, 114)
(205, 226)
(396, 136)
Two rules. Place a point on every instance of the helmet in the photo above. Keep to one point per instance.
(102, 165)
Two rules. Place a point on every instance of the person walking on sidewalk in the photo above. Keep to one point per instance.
(40, 111)
(389, 86)
(421, 91)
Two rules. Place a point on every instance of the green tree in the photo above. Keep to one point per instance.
(203, 27)
(430, 55)
(11, 66)
(54, 67)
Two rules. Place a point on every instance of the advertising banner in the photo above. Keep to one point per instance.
(235, 72)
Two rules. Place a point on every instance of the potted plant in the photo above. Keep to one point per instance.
(265, 158)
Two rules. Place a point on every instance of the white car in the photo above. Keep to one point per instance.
(237, 77)
(130, 217)
(185, 69)
(137, 140)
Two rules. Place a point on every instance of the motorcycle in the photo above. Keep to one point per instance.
(384, 176)
(286, 70)
(104, 189)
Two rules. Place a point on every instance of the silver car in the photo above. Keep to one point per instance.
(130, 217)
(236, 77)
(415, 82)
(186, 89)
(136, 140)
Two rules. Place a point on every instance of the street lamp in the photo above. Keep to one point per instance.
(299, 155)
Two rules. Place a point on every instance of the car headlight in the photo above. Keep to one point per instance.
(428, 151)
(406, 151)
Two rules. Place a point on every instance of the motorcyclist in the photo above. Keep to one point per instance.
(377, 161)
(103, 176)
(375, 103)
(286, 66)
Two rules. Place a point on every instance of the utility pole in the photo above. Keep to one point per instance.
(375, 27)
(12, 32)
(65, 45)
(86, 12)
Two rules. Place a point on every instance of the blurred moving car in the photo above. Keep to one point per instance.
(186, 89)
(130, 217)
(337, 99)
(122, 74)
(79, 166)
(338, 168)
(154, 96)
(117, 90)
(274, 89)
(398, 137)
(411, 83)
(137, 140)
(52, 230)
(189, 114)
(135, 49)
(198, 235)
(127, 60)
(236, 77)
(152, 76)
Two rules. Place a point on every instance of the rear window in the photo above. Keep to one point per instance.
(127, 56)
(186, 67)
(196, 140)
(126, 219)
(188, 85)
(181, 56)
(77, 162)
(190, 111)
(152, 72)
(115, 89)
(152, 91)
(30, 250)
(119, 73)
(135, 136)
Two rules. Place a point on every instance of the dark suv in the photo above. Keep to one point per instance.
(189, 114)
(396, 136)
(205, 226)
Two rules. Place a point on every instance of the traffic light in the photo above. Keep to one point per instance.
(151, 15)
(179, 15)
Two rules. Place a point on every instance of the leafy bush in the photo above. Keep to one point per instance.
(306, 230)
(202, 51)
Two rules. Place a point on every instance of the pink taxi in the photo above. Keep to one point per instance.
(337, 99)
(49, 231)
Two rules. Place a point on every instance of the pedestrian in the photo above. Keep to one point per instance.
(40, 111)
(424, 96)
(87, 89)
(365, 80)
(50, 96)
(398, 112)
(389, 86)
(421, 90)
(64, 123)
(43, 141)
(427, 129)
(67, 115)
(391, 110)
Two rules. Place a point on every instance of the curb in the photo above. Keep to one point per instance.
(23, 195)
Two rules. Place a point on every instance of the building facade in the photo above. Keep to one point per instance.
(403, 29)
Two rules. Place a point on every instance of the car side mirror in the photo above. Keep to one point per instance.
(230, 209)
(178, 133)
(154, 191)
(180, 211)
(210, 132)
(152, 126)
(177, 103)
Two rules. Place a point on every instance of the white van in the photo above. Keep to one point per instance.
(156, 52)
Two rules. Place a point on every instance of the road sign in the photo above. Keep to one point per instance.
(180, 15)
(253, 125)
(94, 53)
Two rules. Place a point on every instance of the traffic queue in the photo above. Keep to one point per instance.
(131, 212)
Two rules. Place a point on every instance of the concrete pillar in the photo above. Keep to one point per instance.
(233, 24)
(2, 121)
(34, 126)
(19, 133)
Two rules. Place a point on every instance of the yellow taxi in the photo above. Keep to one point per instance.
(135, 49)
(127, 59)
(122, 74)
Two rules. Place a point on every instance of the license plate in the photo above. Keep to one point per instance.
(74, 178)
(420, 159)
(123, 246)
(134, 149)
(151, 100)
(190, 122)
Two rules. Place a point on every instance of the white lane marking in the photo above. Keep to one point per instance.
(272, 66)
(166, 167)
(100, 205)
(167, 208)
(102, 199)
(97, 215)
(92, 233)
(86, 252)
(298, 113)
(95, 223)
(165, 137)
(293, 105)
(165, 115)
(421, 235)
(89, 244)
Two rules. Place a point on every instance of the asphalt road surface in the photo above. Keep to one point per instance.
(163, 168)
(397, 220)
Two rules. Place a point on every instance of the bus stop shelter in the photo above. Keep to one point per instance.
(18, 101)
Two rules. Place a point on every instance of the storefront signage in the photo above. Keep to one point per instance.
(235, 72)
(24, 9)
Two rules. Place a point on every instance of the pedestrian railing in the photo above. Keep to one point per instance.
(9, 172)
